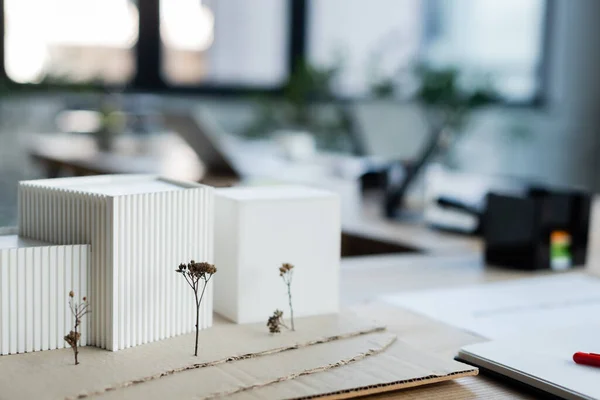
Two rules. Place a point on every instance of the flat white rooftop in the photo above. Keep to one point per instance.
(17, 242)
(278, 192)
(125, 188)
(114, 185)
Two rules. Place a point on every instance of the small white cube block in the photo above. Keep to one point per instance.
(259, 228)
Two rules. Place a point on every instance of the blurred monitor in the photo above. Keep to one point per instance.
(390, 130)
(201, 134)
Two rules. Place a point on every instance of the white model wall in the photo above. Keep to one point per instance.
(153, 234)
(64, 217)
(258, 229)
(137, 241)
(34, 287)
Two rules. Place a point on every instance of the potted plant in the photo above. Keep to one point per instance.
(300, 108)
(448, 105)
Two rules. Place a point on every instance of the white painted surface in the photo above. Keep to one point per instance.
(121, 189)
(274, 193)
(114, 185)
(31, 297)
(258, 229)
(250, 43)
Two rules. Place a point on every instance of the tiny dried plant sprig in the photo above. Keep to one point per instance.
(78, 310)
(197, 275)
(286, 272)
(275, 322)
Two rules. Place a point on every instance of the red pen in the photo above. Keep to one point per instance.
(591, 359)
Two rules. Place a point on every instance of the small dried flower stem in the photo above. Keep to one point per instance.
(76, 348)
(198, 302)
(78, 310)
(283, 324)
(289, 290)
(196, 274)
(286, 272)
(275, 322)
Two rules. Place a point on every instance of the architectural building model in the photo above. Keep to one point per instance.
(260, 228)
(139, 228)
(118, 240)
(125, 244)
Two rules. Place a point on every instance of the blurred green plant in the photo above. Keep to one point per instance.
(446, 93)
(442, 94)
(53, 84)
(448, 98)
(308, 104)
(383, 88)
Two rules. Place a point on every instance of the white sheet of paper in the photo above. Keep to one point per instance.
(504, 309)
(545, 360)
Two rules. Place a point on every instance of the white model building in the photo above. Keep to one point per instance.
(259, 228)
(139, 228)
(35, 278)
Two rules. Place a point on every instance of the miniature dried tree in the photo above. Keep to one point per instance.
(197, 275)
(78, 310)
(286, 273)
(275, 322)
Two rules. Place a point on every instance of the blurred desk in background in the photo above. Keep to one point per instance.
(259, 163)
(64, 154)
(171, 155)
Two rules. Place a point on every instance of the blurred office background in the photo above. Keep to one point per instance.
(350, 75)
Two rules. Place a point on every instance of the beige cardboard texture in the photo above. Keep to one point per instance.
(246, 375)
(231, 357)
(399, 367)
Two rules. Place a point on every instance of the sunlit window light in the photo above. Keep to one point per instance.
(24, 66)
(35, 27)
(186, 25)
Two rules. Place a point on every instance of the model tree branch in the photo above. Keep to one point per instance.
(197, 276)
(286, 273)
(78, 310)
(275, 322)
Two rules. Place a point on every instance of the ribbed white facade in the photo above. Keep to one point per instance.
(34, 287)
(137, 241)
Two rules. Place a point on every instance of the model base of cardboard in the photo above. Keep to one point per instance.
(337, 356)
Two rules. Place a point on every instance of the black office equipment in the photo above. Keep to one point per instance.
(542, 230)
(401, 175)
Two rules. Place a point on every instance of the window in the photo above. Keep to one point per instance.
(224, 42)
(377, 38)
(240, 45)
(70, 40)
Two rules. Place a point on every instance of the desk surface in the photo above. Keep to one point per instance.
(450, 261)
(365, 278)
